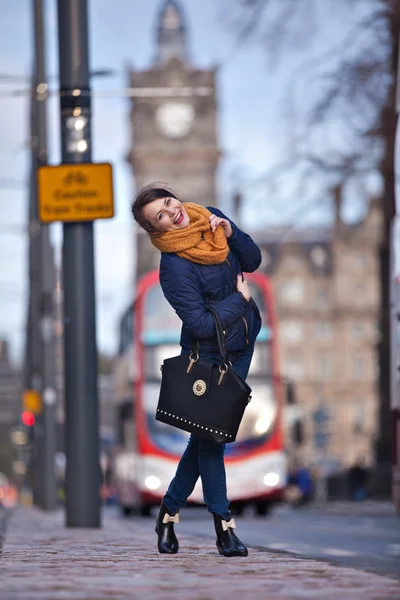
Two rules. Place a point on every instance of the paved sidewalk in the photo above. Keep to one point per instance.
(41, 560)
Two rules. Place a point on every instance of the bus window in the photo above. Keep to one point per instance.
(259, 417)
(261, 361)
(154, 357)
(126, 331)
(166, 437)
(160, 337)
(160, 319)
(258, 297)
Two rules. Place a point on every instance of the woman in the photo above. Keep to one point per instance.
(203, 256)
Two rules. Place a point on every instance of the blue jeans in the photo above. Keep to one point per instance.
(205, 458)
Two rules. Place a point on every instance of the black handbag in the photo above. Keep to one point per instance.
(201, 396)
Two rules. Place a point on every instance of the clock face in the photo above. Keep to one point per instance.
(175, 118)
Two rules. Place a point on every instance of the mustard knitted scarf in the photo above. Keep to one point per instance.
(196, 242)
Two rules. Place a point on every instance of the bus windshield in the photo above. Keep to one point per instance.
(161, 334)
(161, 323)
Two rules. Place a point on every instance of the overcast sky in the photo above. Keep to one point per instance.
(252, 130)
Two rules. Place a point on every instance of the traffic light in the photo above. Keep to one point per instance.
(28, 418)
(32, 401)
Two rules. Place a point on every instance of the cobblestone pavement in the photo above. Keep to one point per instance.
(42, 560)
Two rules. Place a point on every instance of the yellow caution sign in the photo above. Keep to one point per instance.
(32, 401)
(72, 193)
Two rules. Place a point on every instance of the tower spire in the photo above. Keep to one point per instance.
(171, 34)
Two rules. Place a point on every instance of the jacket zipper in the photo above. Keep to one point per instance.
(231, 270)
(247, 330)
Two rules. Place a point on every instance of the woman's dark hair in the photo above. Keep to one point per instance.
(147, 195)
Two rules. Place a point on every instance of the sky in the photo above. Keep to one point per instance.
(253, 132)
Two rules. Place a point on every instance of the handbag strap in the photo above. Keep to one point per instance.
(220, 338)
(220, 335)
(218, 327)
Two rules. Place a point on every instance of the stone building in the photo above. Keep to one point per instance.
(326, 284)
(174, 123)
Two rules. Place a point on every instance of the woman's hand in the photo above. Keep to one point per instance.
(226, 226)
(243, 287)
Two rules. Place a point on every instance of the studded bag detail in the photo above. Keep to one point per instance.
(201, 396)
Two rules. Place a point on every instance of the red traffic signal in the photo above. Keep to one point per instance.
(28, 418)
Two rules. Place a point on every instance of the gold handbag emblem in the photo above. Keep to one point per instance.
(199, 387)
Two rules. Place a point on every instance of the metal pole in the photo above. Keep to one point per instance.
(81, 399)
(33, 374)
(45, 494)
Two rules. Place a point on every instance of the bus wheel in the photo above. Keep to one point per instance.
(145, 510)
(126, 511)
(262, 508)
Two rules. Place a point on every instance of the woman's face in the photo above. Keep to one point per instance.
(166, 214)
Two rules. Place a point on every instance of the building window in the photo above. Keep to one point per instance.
(322, 425)
(376, 370)
(359, 417)
(360, 289)
(292, 263)
(360, 260)
(292, 291)
(323, 330)
(293, 368)
(358, 367)
(321, 299)
(291, 331)
(319, 256)
(266, 258)
(357, 330)
(324, 366)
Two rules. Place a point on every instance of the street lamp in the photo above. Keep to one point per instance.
(76, 132)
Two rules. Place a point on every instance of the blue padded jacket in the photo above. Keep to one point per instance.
(190, 288)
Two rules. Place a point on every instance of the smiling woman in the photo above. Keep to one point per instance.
(166, 214)
(203, 256)
(158, 209)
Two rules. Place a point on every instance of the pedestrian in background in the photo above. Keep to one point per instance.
(299, 485)
(203, 257)
(357, 479)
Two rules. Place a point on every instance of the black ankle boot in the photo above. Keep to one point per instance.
(167, 540)
(228, 543)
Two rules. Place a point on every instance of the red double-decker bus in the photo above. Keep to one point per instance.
(146, 463)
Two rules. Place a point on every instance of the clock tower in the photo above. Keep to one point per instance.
(174, 122)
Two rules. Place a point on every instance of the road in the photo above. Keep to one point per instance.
(347, 535)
